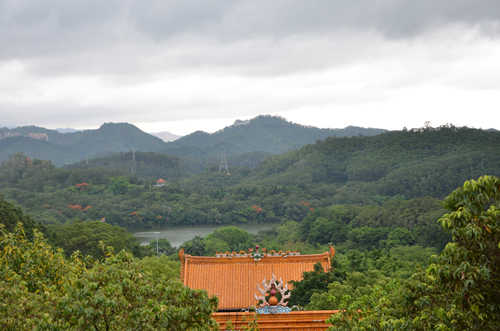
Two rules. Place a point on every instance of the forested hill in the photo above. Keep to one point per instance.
(64, 148)
(245, 142)
(141, 164)
(384, 170)
(268, 134)
(423, 162)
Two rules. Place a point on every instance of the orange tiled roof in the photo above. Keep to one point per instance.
(234, 279)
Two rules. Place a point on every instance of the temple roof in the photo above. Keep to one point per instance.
(233, 277)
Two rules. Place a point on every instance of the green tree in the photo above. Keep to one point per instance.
(85, 236)
(119, 185)
(195, 246)
(400, 236)
(41, 289)
(460, 290)
(469, 266)
(229, 238)
(120, 294)
(315, 281)
(164, 247)
(324, 231)
(10, 216)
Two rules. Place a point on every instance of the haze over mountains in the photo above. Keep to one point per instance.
(263, 134)
(166, 136)
(64, 148)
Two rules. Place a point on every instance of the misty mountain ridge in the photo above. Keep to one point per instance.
(264, 135)
(64, 148)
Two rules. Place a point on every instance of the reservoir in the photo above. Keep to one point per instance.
(177, 235)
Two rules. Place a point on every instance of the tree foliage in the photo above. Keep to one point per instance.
(384, 171)
(41, 289)
(460, 289)
(87, 236)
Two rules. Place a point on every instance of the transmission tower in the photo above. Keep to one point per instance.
(134, 165)
(223, 166)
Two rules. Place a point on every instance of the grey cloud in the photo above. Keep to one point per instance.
(137, 39)
(37, 28)
(121, 44)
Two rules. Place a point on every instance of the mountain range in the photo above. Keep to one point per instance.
(264, 135)
(65, 148)
(387, 169)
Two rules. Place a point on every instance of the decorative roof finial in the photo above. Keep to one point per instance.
(181, 254)
(331, 251)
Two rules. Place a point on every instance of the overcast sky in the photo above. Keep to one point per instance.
(184, 65)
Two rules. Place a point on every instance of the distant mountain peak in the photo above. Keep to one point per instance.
(241, 122)
(269, 118)
(112, 125)
(200, 133)
(267, 134)
(262, 120)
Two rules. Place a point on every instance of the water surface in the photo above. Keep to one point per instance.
(177, 235)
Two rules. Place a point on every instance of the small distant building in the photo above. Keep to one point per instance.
(253, 278)
(160, 182)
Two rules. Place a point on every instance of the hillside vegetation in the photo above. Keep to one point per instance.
(394, 286)
(267, 134)
(142, 164)
(263, 134)
(408, 172)
(425, 162)
(42, 289)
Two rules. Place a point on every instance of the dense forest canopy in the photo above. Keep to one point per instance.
(459, 290)
(386, 285)
(42, 289)
(375, 198)
(394, 170)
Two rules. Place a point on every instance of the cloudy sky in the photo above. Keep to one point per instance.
(199, 64)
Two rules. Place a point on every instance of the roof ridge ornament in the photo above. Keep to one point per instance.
(274, 296)
(256, 253)
(257, 256)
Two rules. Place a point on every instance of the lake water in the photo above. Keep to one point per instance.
(179, 234)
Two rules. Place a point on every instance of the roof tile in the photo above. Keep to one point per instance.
(234, 280)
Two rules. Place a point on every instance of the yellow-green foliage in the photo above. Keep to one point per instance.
(460, 290)
(41, 289)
